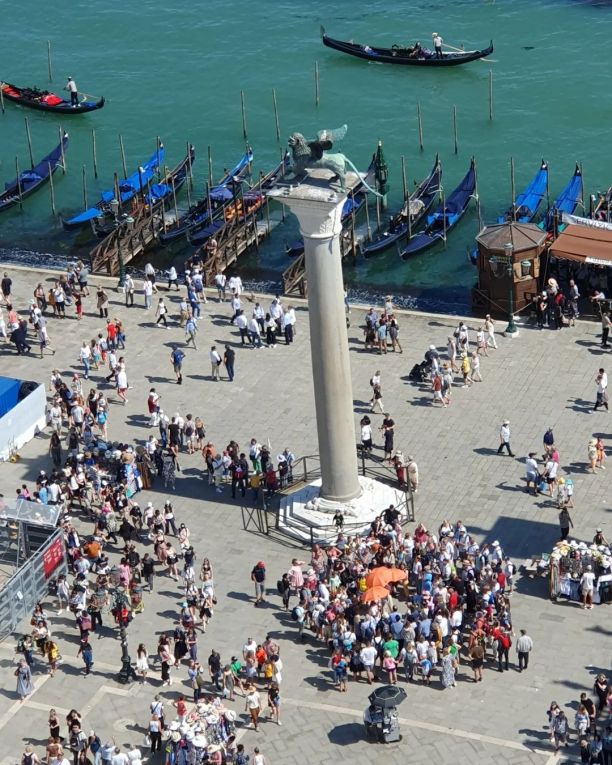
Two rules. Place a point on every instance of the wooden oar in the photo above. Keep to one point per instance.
(462, 50)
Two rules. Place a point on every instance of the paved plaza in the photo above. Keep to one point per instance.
(542, 378)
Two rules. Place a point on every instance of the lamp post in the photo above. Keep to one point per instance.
(122, 611)
(503, 265)
(511, 329)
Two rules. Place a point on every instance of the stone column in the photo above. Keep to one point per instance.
(319, 211)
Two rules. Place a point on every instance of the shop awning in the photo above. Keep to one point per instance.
(585, 245)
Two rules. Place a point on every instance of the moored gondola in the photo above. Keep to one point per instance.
(405, 56)
(155, 195)
(526, 204)
(45, 101)
(201, 212)
(566, 202)
(445, 217)
(410, 216)
(31, 180)
(127, 187)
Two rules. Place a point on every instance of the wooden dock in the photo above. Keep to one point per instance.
(126, 242)
(234, 239)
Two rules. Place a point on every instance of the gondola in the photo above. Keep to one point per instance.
(355, 202)
(417, 206)
(243, 203)
(566, 202)
(155, 195)
(31, 180)
(526, 204)
(197, 215)
(445, 217)
(45, 101)
(404, 56)
(128, 188)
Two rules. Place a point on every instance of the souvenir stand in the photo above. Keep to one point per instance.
(569, 560)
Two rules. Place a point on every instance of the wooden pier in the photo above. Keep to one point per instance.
(126, 242)
(234, 239)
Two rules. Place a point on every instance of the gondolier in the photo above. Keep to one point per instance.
(437, 43)
(71, 87)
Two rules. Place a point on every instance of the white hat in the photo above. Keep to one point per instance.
(496, 543)
(199, 741)
(506, 422)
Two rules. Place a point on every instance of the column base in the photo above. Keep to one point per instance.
(305, 516)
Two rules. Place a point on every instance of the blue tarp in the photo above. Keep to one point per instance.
(9, 393)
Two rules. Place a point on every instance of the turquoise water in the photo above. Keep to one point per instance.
(176, 70)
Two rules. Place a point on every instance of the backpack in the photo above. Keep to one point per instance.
(296, 613)
(86, 622)
(279, 587)
(177, 356)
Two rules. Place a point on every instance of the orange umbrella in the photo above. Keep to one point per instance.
(375, 593)
(382, 576)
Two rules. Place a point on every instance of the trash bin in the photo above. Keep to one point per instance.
(525, 267)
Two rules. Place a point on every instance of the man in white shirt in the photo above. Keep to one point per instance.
(587, 584)
(236, 306)
(437, 43)
(288, 324)
(56, 417)
(150, 275)
(276, 312)
(504, 438)
(215, 362)
(259, 316)
(235, 284)
(147, 291)
(254, 335)
(71, 87)
(129, 288)
(242, 324)
(220, 282)
(368, 656)
(602, 390)
(173, 278)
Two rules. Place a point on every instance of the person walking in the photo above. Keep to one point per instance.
(25, 686)
(377, 399)
(524, 646)
(176, 357)
(147, 291)
(130, 288)
(388, 431)
(253, 706)
(258, 577)
(504, 438)
(565, 522)
(86, 651)
(489, 328)
(161, 312)
(191, 327)
(601, 380)
(587, 584)
(102, 302)
(605, 329)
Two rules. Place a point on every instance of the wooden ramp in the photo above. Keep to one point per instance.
(126, 242)
(234, 239)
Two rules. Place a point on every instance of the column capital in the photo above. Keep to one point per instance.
(317, 207)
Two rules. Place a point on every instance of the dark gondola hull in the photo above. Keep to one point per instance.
(31, 180)
(158, 194)
(200, 214)
(129, 187)
(18, 96)
(426, 194)
(399, 56)
(446, 216)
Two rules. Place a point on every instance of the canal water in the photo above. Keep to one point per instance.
(176, 70)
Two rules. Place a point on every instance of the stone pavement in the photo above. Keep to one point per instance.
(539, 379)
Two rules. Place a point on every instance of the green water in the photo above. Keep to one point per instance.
(176, 70)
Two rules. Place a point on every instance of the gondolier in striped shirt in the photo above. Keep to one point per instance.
(71, 87)
(437, 43)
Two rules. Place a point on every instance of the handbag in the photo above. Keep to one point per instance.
(147, 740)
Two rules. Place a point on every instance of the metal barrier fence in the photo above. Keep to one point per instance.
(30, 582)
(264, 512)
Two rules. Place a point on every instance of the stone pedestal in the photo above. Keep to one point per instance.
(319, 210)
